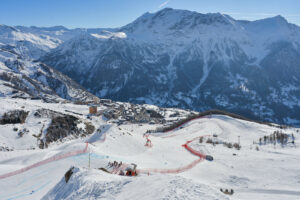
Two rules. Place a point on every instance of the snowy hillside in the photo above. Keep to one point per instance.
(23, 78)
(178, 58)
(253, 170)
(29, 42)
(33, 42)
(28, 124)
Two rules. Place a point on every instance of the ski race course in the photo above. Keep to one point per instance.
(75, 153)
(174, 166)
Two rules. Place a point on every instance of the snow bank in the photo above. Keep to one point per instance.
(95, 184)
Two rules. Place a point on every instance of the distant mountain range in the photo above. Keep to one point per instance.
(178, 58)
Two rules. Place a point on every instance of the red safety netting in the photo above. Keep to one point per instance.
(180, 169)
(53, 158)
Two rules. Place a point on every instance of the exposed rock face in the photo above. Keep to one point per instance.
(14, 117)
(68, 174)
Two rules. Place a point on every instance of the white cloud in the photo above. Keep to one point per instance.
(164, 4)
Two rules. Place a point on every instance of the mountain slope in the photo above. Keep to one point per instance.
(24, 78)
(191, 60)
(257, 170)
(33, 42)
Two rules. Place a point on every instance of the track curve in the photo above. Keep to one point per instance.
(199, 154)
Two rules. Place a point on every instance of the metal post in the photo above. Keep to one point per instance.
(239, 139)
(89, 159)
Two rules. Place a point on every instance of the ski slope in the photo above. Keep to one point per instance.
(270, 173)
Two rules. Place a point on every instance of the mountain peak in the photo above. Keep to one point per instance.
(273, 26)
(169, 21)
(167, 9)
(191, 15)
(278, 19)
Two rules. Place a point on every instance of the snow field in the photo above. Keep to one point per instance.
(270, 173)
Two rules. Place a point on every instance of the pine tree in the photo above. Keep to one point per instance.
(201, 139)
(271, 139)
(281, 139)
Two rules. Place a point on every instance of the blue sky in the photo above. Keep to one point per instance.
(116, 13)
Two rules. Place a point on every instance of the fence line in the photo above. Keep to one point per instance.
(48, 160)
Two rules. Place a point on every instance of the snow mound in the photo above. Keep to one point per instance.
(95, 184)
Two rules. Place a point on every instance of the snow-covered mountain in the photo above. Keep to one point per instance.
(179, 58)
(23, 78)
(33, 42)
(52, 148)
